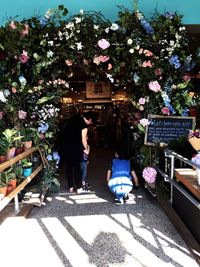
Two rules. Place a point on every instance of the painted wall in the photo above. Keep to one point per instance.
(27, 8)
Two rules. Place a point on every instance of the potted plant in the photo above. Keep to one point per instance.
(19, 147)
(9, 138)
(27, 167)
(3, 185)
(27, 139)
(11, 180)
(3, 150)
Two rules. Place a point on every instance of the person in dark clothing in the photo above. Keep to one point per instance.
(74, 142)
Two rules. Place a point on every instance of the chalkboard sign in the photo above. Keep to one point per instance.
(163, 129)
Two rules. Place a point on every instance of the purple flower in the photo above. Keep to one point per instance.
(149, 174)
(196, 159)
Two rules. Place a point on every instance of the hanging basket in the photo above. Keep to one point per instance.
(195, 142)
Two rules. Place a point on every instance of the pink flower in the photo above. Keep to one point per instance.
(24, 57)
(12, 25)
(158, 72)
(40, 81)
(186, 78)
(149, 174)
(41, 136)
(144, 122)
(68, 62)
(109, 66)
(147, 64)
(104, 58)
(142, 101)
(154, 86)
(103, 44)
(141, 51)
(22, 114)
(14, 90)
(1, 115)
(148, 53)
(25, 30)
(165, 111)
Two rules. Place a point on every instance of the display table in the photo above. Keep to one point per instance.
(188, 177)
(187, 201)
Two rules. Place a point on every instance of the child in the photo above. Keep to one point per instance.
(84, 163)
(119, 177)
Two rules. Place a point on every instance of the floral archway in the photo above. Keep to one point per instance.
(38, 56)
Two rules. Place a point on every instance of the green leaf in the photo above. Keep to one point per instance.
(44, 99)
(141, 128)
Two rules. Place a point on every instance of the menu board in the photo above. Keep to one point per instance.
(163, 129)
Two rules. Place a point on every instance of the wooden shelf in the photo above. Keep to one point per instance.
(9, 162)
(4, 202)
(189, 179)
(21, 186)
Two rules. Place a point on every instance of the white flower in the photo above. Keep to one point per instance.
(131, 51)
(50, 53)
(181, 29)
(129, 41)
(50, 43)
(107, 30)
(96, 27)
(81, 11)
(137, 47)
(48, 13)
(79, 46)
(144, 122)
(171, 43)
(109, 76)
(70, 25)
(114, 26)
(77, 20)
(2, 97)
(6, 92)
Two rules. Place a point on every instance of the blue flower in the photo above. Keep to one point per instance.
(185, 112)
(56, 157)
(146, 25)
(43, 21)
(169, 15)
(174, 60)
(49, 157)
(43, 128)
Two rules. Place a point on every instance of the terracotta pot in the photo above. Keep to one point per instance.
(27, 145)
(11, 186)
(2, 158)
(3, 191)
(10, 153)
(19, 150)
